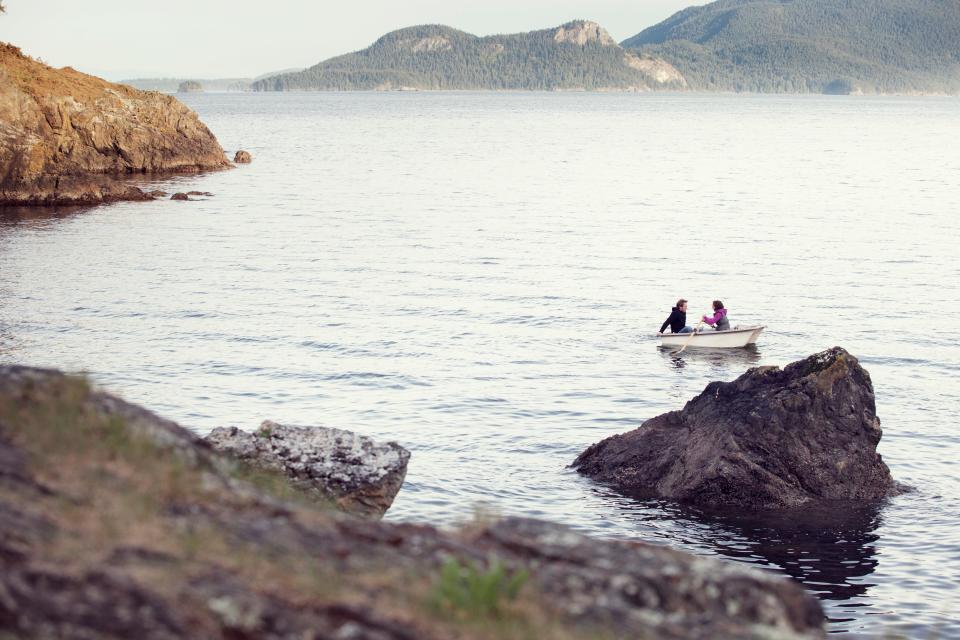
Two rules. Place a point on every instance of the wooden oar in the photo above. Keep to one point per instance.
(692, 333)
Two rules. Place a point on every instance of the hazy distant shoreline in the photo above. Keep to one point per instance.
(693, 92)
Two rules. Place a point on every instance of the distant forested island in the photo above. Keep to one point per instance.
(579, 55)
(172, 85)
(790, 46)
(799, 46)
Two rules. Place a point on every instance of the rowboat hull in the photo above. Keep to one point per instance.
(732, 339)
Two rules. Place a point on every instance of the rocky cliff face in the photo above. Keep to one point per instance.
(63, 134)
(658, 70)
(771, 438)
(115, 523)
(581, 32)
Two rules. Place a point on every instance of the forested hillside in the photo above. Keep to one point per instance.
(576, 56)
(834, 46)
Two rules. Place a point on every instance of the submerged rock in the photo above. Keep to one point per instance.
(78, 191)
(357, 474)
(115, 523)
(64, 134)
(771, 438)
(187, 196)
(242, 157)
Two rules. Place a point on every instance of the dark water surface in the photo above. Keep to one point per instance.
(478, 275)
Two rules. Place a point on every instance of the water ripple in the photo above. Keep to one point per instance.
(464, 276)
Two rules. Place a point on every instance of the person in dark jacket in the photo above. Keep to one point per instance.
(718, 320)
(677, 319)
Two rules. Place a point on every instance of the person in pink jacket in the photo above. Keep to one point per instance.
(718, 320)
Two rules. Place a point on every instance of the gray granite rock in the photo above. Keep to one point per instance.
(359, 475)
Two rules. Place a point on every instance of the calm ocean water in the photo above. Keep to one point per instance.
(478, 277)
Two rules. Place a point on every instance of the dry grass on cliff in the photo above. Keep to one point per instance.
(117, 501)
(41, 81)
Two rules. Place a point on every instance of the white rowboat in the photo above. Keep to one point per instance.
(709, 338)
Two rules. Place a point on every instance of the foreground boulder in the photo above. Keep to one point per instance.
(771, 438)
(115, 523)
(65, 134)
(350, 470)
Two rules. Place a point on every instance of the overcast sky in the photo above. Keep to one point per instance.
(234, 38)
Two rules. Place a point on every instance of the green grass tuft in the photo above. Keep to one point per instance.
(476, 592)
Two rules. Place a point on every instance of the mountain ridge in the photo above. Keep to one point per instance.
(832, 46)
(577, 55)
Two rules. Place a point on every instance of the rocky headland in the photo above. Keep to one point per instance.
(772, 438)
(65, 137)
(115, 523)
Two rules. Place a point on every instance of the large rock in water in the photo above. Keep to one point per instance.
(771, 438)
(115, 523)
(357, 474)
(64, 134)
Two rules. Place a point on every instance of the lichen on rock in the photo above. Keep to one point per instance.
(357, 474)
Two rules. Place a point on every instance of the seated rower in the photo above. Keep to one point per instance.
(677, 319)
(718, 320)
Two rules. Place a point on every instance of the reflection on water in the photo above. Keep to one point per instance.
(724, 359)
(18, 215)
(829, 548)
(148, 182)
